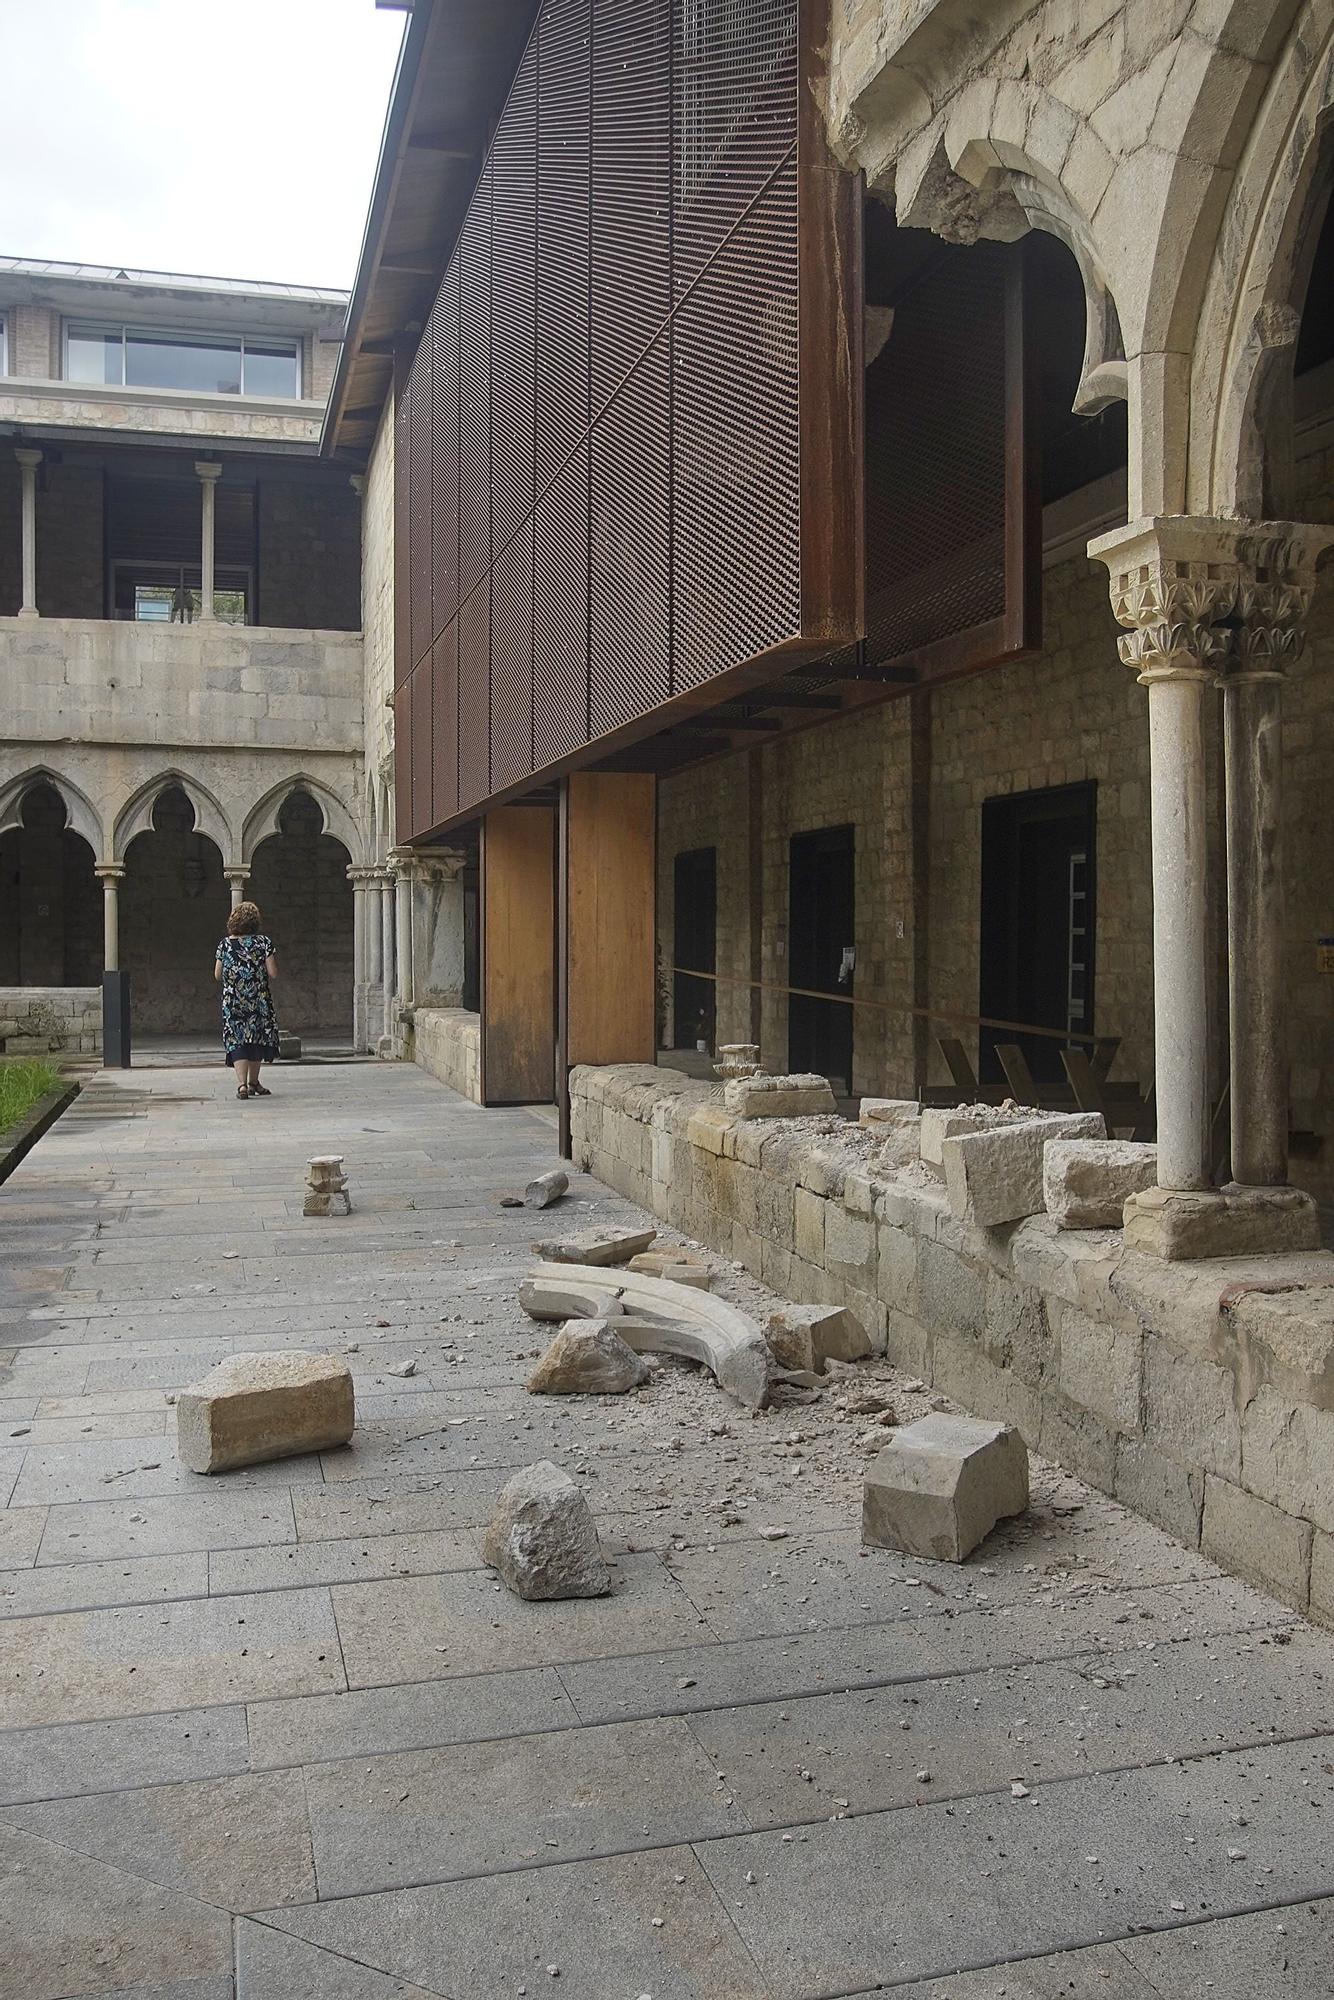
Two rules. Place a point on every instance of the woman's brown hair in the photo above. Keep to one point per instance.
(244, 920)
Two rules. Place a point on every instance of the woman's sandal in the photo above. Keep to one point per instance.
(258, 1090)
(241, 1090)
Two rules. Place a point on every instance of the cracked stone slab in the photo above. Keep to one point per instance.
(241, 1843)
(70, 1927)
(1031, 1887)
(636, 1924)
(474, 1808)
(271, 1965)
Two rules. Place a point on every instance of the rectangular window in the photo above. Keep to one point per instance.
(168, 593)
(201, 364)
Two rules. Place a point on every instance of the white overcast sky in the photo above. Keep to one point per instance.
(236, 138)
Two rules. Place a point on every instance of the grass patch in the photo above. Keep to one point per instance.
(23, 1079)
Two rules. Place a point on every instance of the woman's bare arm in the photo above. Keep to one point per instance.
(217, 968)
(271, 965)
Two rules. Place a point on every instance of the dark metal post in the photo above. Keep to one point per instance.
(115, 1020)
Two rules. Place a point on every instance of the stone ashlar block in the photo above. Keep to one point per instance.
(799, 1096)
(994, 1176)
(596, 1246)
(890, 1114)
(1232, 1222)
(1086, 1183)
(1258, 1541)
(939, 1124)
(939, 1488)
(255, 1407)
(812, 1336)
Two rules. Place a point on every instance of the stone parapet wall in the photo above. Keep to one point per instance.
(1201, 1395)
(50, 1020)
(447, 1044)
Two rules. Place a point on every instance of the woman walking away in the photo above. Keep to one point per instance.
(245, 964)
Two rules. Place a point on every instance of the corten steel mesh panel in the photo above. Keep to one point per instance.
(444, 335)
(733, 449)
(630, 457)
(474, 259)
(512, 660)
(421, 701)
(445, 729)
(419, 503)
(514, 306)
(474, 624)
(936, 458)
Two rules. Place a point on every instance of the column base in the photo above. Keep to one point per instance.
(27, 611)
(1224, 1222)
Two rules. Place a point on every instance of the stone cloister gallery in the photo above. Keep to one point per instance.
(841, 494)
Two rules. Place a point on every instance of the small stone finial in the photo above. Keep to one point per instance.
(325, 1184)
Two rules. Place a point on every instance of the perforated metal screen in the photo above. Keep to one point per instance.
(602, 505)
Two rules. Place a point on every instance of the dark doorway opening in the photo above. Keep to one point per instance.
(821, 917)
(1038, 877)
(695, 947)
(471, 879)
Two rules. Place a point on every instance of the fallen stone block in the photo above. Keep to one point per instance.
(254, 1407)
(940, 1486)
(673, 1262)
(810, 1337)
(800, 1096)
(939, 1124)
(542, 1539)
(289, 1048)
(596, 1246)
(546, 1189)
(656, 1316)
(588, 1358)
(1087, 1182)
(995, 1175)
(889, 1114)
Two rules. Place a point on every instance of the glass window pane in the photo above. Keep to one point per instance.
(270, 369)
(152, 603)
(201, 364)
(94, 354)
(229, 606)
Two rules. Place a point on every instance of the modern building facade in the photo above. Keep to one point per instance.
(180, 635)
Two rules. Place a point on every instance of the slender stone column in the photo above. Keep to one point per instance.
(1171, 585)
(405, 869)
(110, 875)
(360, 879)
(209, 475)
(387, 950)
(29, 459)
(237, 879)
(1277, 573)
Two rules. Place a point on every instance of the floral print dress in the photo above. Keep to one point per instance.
(249, 1026)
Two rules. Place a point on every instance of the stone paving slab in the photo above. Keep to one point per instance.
(594, 1920)
(20, 1536)
(272, 1966)
(82, 1586)
(212, 1517)
(1024, 1878)
(70, 1926)
(377, 1556)
(420, 1627)
(475, 1808)
(419, 1716)
(130, 1660)
(67, 1759)
(241, 1843)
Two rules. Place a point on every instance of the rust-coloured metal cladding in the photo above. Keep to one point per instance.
(652, 399)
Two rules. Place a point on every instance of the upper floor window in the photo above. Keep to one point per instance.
(199, 363)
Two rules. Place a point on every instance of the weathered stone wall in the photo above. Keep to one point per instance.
(1202, 1395)
(309, 555)
(50, 1020)
(447, 1044)
(377, 614)
(708, 807)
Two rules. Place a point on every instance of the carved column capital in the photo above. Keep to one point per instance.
(1174, 584)
(1276, 575)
